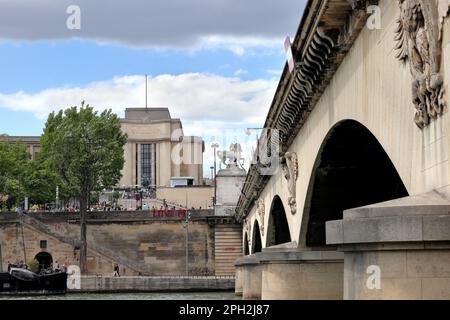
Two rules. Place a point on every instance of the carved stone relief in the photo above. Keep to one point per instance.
(260, 207)
(444, 11)
(290, 169)
(418, 43)
(246, 228)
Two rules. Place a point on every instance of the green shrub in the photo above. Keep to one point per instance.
(34, 266)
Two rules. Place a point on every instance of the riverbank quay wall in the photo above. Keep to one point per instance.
(140, 243)
(108, 284)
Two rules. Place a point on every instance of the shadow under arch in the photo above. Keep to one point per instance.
(256, 238)
(351, 170)
(44, 259)
(246, 245)
(278, 227)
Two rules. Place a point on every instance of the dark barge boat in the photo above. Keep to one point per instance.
(25, 282)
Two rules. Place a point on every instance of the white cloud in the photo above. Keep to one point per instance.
(217, 108)
(240, 72)
(206, 101)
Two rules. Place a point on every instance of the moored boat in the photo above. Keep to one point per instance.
(26, 282)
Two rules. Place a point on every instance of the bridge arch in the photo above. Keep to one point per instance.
(256, 238)
(278, 227)
(351, 170)
(246, 245)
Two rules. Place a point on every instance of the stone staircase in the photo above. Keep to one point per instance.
(100, 250)
(228, 248)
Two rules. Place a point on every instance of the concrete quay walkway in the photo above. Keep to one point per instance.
(154, 284)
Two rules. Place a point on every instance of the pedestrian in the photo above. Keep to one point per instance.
(57, 267)
(9, 266)
(116, 272)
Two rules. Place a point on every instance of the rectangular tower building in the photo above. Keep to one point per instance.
(157, 150)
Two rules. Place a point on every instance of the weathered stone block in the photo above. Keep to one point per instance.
(436, 289)
(292, 281)
(334, 232)
(391, 289)
(383, 229)
(428, 264)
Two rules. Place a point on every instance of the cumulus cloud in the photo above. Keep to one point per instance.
(240, 72)
(217, 108)
(200, 100)
(155, 23)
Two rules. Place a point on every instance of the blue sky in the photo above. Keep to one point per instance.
(215, 68)
(35, 66)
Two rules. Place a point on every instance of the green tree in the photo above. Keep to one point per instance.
(13, 162)
(34, 265)
(40, 182)
(86, 149)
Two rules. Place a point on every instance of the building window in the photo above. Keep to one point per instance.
(148, 165)
(43, 244)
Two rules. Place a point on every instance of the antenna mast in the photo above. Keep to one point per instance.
(146, 91)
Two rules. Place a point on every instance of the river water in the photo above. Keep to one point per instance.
(131, 296)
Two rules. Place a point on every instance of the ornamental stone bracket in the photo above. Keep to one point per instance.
(260, 207)
(444, 12)
(246, 228)
(418, 38)
(290, 169)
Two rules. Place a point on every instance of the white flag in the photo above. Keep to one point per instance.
(289, 55)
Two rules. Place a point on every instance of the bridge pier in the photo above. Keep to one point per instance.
(302, 275)
(251, 277)
(287, 273)
(238, 285)
(395, 250)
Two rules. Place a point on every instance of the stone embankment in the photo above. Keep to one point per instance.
(155, 284)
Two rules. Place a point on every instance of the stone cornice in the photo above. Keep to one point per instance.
(326, 33)
(162, 121)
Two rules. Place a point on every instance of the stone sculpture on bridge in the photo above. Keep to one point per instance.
(290, 169)
(234, 156)
(418, 41)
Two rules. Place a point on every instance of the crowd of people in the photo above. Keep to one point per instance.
(20, 264)
(42, 270)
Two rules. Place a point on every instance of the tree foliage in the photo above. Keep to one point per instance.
(86, 150)
(13, 162)
(41, 181)
(20, 177)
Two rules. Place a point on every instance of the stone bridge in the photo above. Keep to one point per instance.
(358, 206)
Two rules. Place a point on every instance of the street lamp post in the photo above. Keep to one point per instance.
(212, 173)
(215, 146)
(185, 225)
